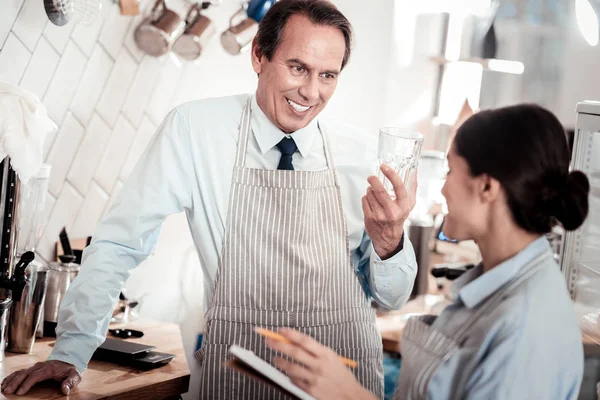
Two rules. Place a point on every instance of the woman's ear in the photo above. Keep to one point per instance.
(489, 188)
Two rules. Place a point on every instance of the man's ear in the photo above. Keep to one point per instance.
(257, 57)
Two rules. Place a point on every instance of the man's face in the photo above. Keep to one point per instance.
(302, 75)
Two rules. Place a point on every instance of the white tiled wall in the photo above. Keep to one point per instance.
(106, 97)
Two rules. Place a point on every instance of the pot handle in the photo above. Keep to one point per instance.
(158, 9)
(193, 14)
(239, 12)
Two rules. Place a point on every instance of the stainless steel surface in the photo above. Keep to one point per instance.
(25, 313)
(39, 332)
(4, 310)
(419, 234)
(55, 15)
(60, 276)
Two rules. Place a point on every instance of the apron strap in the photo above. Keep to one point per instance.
(326, 147)
(240, 158)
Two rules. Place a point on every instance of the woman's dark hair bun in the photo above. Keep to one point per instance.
(572, 207)
(564, 197)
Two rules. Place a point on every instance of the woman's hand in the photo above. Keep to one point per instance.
(319, 370)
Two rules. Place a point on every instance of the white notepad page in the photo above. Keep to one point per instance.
(266, 369)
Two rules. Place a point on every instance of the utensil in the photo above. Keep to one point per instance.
(280, 338)
(83, 12)
(400, 149)
(65, 243)
(55, 15)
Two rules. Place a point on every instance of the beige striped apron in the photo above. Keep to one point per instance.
(285, 263)
(425, 348)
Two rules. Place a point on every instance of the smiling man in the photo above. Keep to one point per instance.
(290, 227)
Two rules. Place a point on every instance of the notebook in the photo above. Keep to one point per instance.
(245, 361)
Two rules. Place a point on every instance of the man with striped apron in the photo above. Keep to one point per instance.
(285, 263)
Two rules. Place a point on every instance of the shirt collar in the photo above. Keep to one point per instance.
(268, 135)
(474, 286)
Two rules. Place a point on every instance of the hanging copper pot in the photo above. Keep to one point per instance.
(199, 30)
(156, 34)
(238, 37)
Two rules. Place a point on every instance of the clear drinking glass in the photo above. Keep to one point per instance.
(400, 149)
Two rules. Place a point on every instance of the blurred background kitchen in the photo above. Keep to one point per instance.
(107, 80)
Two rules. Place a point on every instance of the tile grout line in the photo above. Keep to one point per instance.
(13, 24)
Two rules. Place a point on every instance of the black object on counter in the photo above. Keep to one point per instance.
(9, 186)
(65, 242)
(50, 328)
(450, 273)
(126, 333)
(17, 282)
(132, 354)
(66, 258)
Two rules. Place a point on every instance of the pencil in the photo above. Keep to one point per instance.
(283, 339)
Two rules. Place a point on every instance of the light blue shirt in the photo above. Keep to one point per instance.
(188, 167)
(528, 347)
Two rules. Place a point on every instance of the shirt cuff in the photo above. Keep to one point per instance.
(391, 280)
(393, 258)
(72, 351)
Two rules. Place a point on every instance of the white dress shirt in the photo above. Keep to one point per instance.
(188, 167)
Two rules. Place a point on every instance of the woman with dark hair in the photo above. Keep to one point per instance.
(511, 332)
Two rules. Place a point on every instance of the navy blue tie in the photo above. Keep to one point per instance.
(287, 147)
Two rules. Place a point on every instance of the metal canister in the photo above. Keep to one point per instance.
(27, 310)
(4, 310)
(60, 276)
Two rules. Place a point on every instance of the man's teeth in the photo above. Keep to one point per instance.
(297, 106)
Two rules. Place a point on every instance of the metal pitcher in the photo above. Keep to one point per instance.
(60, 276)
(26, 311)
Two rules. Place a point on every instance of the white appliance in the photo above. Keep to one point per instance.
(580, 259)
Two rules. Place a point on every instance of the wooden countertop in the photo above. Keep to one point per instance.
(104, 380)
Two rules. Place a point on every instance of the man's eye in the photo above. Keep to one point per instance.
(298, 68)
